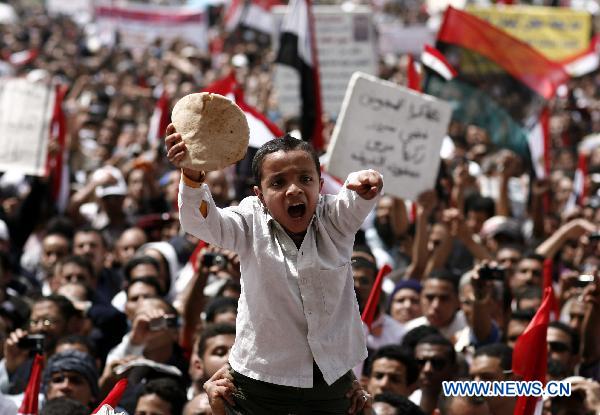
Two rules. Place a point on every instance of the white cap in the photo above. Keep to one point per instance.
(115, 189)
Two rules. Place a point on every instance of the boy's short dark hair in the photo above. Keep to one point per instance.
(286, 143)
(213, 330)
(169, 390)
(62, 406)
(400, 354)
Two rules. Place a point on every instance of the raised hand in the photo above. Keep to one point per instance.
(367, 183)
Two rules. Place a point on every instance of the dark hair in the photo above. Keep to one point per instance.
(65, 306)
(445, 401)
(414, 336)
(218, 305)
(61, 225)
(81, 261)
(81, 340)
(439, 340)
(213, 330)
(286, 143)
(169, 390)
(138, 260)
(400, 354)
(151, 281)
(522, 315)
(90, 229)
(499, 350)
(477, 203)
(402, 404)
(64, 405)
(534, 256)
(571, 332)
(444, 275)
(528, 292)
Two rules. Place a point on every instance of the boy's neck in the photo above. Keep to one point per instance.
(297, 237)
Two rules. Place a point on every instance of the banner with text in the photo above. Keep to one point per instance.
(139, 25)
(556, 32)
(345, 44)
(391, 129)
(25, 113)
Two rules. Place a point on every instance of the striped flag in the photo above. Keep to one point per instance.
(436, 61)
(297, 48)
(253, 14)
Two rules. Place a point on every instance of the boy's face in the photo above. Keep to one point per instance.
(289, 188)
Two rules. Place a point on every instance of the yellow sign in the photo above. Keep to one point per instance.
(556, 32)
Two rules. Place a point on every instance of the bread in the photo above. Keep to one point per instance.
(214, 129)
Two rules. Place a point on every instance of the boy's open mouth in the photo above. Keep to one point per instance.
(297, 210)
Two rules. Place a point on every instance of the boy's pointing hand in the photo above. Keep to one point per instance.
(367, 183)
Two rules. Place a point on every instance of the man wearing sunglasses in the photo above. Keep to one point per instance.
(563, 346)
(436, 359)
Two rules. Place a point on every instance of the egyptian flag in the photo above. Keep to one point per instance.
(261, 128)
(502, 83)
(29, 406)
(297, 48)
(585, 62)
(532, 366)
(252, 14)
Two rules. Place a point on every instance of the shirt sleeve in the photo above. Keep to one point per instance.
(347, 210)
(228, 228)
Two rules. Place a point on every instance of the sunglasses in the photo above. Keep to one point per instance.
(559, 347)
(437, 363)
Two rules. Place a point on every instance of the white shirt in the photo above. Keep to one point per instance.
(296, 304)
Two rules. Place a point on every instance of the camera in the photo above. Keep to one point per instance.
(166, 322)
(584, 279)
(211, 259)
(33, 342)
(489, 273)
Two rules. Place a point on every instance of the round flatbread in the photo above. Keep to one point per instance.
(214, 129)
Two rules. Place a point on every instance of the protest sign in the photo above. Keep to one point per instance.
(138, 25)
(397, 39)
(345, 44)
(25, 115)
(556, 32)
(391, 129)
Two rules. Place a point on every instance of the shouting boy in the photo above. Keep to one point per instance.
(299, 331)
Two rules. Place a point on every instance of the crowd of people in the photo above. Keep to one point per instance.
(111, 287)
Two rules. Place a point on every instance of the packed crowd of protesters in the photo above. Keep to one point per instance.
(112, 279)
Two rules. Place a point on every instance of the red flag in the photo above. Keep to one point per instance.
(159, 120)
(114, 396)
(57, 164)
(412, 75)
(554, 308)
(517, 58)
(369, 312)
(29, 406)
(530, 354)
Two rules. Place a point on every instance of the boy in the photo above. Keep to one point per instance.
(294, 350)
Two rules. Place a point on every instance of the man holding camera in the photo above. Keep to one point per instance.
(52, 317)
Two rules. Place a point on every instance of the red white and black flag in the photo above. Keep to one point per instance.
(253, 14)
(297, 48)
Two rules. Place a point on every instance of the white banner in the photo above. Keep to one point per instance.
(25, 114)
(391, 129)
(397, 39)
(345, 44)
(139, 25)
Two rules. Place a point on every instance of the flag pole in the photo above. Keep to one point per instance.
(317, 136)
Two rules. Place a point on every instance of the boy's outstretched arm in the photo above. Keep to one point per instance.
(367, 183)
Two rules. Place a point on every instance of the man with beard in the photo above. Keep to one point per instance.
(53, 317)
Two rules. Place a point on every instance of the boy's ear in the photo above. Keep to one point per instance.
(259, 194)
(321, 183)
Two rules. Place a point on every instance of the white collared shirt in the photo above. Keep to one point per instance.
(296, 304)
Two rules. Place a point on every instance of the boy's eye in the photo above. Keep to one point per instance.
(306, 179)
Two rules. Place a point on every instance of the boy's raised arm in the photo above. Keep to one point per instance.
(366, 183)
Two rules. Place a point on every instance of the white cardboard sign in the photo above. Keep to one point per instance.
(25, 114)
(391, 129)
